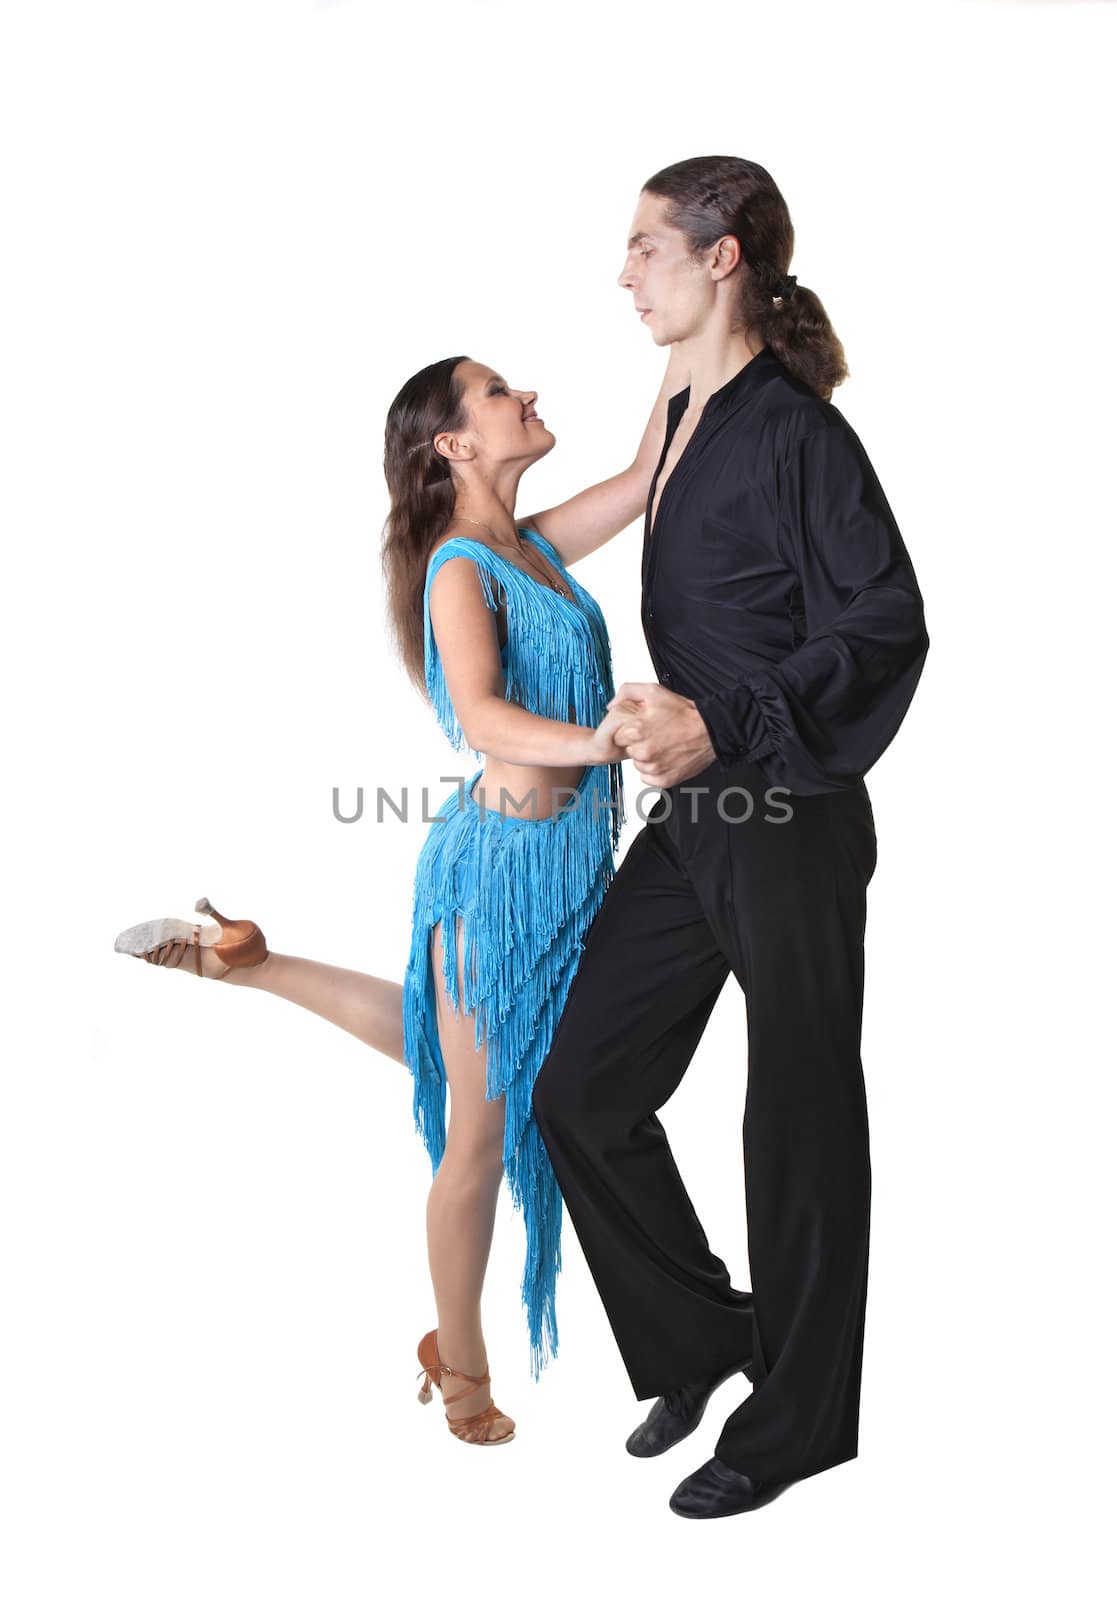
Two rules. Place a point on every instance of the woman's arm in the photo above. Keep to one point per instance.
(465, 633)
(588, 520)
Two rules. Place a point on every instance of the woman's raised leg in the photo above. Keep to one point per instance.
(368, 1007)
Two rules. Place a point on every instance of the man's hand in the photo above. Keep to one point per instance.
(665, 737)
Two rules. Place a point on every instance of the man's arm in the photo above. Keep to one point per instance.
(818, 720)
(588, 520)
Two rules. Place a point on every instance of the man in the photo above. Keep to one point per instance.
(786, 627)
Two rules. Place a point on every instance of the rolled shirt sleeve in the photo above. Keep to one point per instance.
(819, 719)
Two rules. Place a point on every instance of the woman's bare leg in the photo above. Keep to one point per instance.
(461, 1208)
(370, 1008)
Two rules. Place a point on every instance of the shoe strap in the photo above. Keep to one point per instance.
(472, 1383)
(167, 954)
(471, 1388)
(172, 952)
(460, 1425)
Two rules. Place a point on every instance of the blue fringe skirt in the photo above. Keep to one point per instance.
(526, 891)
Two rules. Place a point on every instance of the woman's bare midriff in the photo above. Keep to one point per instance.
(530, 792)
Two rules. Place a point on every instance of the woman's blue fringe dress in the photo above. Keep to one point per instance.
(526, 890)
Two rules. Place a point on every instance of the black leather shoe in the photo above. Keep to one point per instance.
(675, 1415)
(716, 1490)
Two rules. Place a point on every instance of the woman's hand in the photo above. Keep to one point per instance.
(603, 746)
(666, 740)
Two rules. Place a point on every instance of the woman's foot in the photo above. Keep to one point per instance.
(472, 1397)
(209, 952)
(477, 1400)
(167, 942)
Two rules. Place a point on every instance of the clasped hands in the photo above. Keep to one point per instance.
(659, 731)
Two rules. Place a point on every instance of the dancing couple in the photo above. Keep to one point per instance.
(560, 996)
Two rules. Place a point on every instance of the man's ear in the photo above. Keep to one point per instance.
(726, 255)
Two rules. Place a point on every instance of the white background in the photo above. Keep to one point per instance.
(233, 230)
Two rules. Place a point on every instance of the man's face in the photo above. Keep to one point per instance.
(670, 287)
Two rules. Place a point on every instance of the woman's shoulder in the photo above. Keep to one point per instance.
(456, 544)
(486, 556)
(483, 561)
(448, 539)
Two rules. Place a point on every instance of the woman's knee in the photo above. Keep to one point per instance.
(472, 1161)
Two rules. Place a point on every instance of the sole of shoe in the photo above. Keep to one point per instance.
(148, 936)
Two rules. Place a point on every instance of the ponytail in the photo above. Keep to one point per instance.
(799, 331)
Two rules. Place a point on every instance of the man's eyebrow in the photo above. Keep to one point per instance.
(496, 378)
(638, 238)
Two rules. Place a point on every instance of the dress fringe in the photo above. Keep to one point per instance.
(517, 968)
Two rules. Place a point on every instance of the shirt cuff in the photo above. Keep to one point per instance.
(735, 725)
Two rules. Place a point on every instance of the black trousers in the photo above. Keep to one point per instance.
(710, 887)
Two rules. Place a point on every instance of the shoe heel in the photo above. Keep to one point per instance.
(243, 946)
(210, 910)
(429, 1366)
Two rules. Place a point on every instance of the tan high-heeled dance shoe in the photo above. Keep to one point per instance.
(166, 941)
(475, 1429)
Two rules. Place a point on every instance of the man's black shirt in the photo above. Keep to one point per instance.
(776, 590)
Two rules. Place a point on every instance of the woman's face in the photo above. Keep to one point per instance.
(503, 425)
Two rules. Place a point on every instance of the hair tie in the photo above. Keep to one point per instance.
(784, 287)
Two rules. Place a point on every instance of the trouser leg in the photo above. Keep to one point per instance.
(792, 925)
(783, 903)
(646, 983)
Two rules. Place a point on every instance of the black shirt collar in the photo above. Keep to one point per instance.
(727, 397)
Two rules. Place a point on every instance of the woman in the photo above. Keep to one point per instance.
(514, 656)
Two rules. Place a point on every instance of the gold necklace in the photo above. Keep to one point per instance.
(460, 516)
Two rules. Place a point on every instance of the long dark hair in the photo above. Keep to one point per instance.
(421, 493)
(711, 196)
